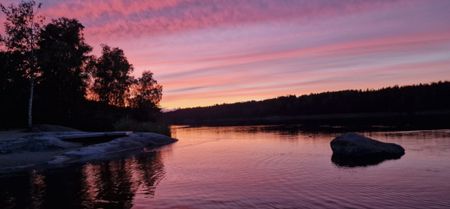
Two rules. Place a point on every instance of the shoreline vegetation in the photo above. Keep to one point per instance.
(49, 75)
(342, 122)
(423, 106)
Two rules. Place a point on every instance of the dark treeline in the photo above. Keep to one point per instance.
(48, 75)
(387, 105)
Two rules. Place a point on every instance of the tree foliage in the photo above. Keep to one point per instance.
(63, 56)
(145, 96)
(57, 60)
(112, 76)
(22, 28)
(145, 90)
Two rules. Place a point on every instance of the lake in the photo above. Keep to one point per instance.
(245, 167)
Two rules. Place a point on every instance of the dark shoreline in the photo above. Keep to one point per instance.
(25, 151)
(341, 122)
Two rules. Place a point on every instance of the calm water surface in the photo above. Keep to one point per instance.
(245, 167)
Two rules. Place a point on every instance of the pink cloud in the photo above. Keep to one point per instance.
(121, 18)
(387, 45)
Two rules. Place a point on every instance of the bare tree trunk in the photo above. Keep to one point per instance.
(30, 104)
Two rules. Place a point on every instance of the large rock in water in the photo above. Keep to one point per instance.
(356, 145)
(356, 150)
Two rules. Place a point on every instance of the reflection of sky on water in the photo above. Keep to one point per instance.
(245, 167)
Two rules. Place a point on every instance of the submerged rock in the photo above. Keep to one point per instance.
(356, 150)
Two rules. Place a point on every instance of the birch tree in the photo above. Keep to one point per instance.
(22, 28)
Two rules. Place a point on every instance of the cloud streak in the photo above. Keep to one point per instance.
(122, 18)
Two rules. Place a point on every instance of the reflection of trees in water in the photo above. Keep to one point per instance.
(15, 192)
(111, 184)
(37, 189)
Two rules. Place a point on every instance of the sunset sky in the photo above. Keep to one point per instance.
(205, 52)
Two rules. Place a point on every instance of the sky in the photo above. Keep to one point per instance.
(207, 52)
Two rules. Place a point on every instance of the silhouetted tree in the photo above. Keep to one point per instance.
(145, 96)
(112, 76)
(48, 70)
(13, 91)
(63, 57)
(22, 29)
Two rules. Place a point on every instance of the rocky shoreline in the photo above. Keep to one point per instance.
(27, 150)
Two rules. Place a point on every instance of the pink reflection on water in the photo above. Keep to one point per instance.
(245, 167)
(259, 167)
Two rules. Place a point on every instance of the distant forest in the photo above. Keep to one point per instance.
(417, 106)
(48, 75)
